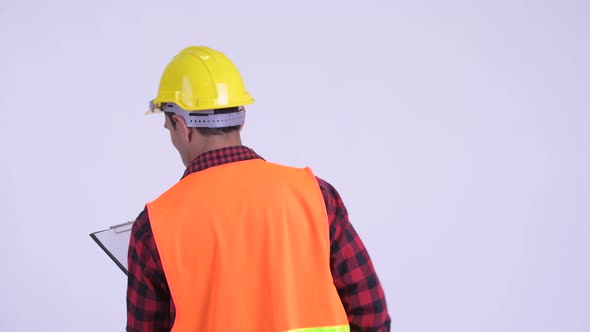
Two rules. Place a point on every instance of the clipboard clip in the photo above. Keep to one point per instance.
(121, 228)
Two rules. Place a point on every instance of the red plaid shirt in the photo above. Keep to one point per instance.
(149, 304)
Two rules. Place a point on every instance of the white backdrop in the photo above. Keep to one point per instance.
(456, 132)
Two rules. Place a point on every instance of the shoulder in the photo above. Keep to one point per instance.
(330, 194)
(141, 230)
(326, 187)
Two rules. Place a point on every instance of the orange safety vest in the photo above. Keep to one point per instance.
(245, 247)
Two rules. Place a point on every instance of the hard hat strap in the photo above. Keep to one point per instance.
(208, 118)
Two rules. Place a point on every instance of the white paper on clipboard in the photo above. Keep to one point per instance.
(115, 242)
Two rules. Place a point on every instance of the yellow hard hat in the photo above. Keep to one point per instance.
(200, 79)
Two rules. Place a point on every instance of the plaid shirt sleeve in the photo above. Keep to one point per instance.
(149, 304)
(353, 272)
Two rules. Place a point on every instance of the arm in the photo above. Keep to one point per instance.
(354, 275)
(149, 307)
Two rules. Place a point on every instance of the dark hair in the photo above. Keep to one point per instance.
(212, 131)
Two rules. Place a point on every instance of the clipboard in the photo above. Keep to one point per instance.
(115, 243)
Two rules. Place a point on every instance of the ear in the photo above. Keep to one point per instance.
(242, 126)
(181, 127)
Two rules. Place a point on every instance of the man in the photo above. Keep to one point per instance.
(239, 243)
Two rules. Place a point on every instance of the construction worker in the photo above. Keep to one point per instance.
(239, 243)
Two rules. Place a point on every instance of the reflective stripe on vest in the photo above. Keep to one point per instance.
(245, 247)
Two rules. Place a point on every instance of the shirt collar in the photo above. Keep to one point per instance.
(219, 157)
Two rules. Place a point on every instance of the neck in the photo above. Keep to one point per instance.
(214, 142)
